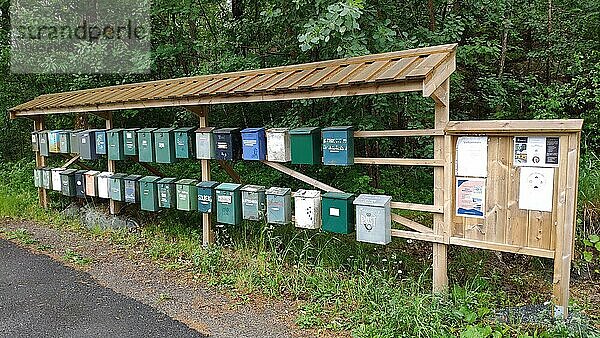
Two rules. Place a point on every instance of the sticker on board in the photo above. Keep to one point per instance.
(536, 188)
(470, 197)
(536, 151)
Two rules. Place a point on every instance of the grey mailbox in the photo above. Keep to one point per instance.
(132, 188)
(205, 147)
(373, 218)
(279, 205)
(43, 142)
(253, 202)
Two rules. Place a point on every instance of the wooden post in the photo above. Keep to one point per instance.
(440, 195)
(40, 161)
(112, 165)
(208, 235)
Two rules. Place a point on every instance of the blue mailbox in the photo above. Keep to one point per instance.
(206, 196)
(338, 145)
(101, 142)
(254, 144)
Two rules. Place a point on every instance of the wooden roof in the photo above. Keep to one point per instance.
(422, 69)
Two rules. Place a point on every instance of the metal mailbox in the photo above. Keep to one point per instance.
(228, 144)
(132, 188)
(278, 145)
(87, 145)
(338, 145)
(229, 203)
(149, 193)
(103, 180)
(307, 207)
(67, 181)
(145, 143)
(166, 192)
(187, 194)
(64, 141)
(279, 205)
(305, 145)
(254, 144)
(35, 146)
(74, 136)
(56, 183)
(206, 196)
(101, 148)
(117, 187)
(205, 144)
(37, 177)
(91, 183)
(184, 142)
(44, 144)
(337, 212)
(164, 145)
(54, 141)
(47, 178)
(130, 137)
(116, 146)
(373, 218)
(253, 202)
(80, 183)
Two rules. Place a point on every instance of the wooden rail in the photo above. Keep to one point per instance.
(398, 133)
(400, 161)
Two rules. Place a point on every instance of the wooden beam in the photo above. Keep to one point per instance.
(400, 161)
(40, 161)
(230, 171)
(113, 205)
(473, 243)
(419, 236)
(103, 114)
(514, 126)
(437, 78)
(148, 167)
(409, 223)
(418, 207)
(301, 177)
(208, 234)
(74, 160)
(398, 133)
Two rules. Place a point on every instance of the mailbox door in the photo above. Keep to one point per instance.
(115, 146)
(146, 146)
(130, 147)
(228, 208)
(205, 148)
(338, 147)
(308, 212)
(43, 141)
(164, 147)
(305, 148)
(56, 183)
(74, 136)
(37, 178)
(205, 200)
(87, 146)
(53, 142)
(186, 199)
(90, 185)
(250, 205)
(79, 185)
(184, 145)
(101, 142)
(104, 186)
(278, 147)
(46, 179)
(65, 142)
(148, 196)
(276, 209)
(35, 146)
(223, 147)
(68, 185)
(371, 225)
(337, 215)
(130, 191)
(117, 190)
(254, 144)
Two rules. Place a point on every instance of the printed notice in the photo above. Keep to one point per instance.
(536, 188)
(536, 151)
(470, 197)
(471, 156)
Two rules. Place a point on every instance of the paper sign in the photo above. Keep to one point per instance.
(334, 212)
(536, 188)
(536, 151)
(471, 156)
(470, 197)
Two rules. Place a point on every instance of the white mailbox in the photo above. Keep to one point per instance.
(373, 218)
(307, 209)
(278, 145)
(104, 184)
(205, 146)
(56, 185)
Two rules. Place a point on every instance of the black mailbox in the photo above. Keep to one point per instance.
(80, 183)
(228, 144)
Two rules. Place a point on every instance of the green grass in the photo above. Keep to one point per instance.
(76, 258)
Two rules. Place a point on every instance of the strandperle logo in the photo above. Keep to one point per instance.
(73, 36)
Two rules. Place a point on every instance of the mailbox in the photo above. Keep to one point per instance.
(103, 180)
(205, 144)
(145, 139)
(337, 212)
(228, 144)
(305, 145)
(229, 203)
(80, 183)
(149, 193)
(278, 145)
(74, 137)
(307, 207)
(187, 194)
(91, 182)
(42, 137)
(164, 145)
(54, 141)
(117, 187)
(206, 196)
(279, 205)
(47, 178)
(101, 146)
(87, 145)
(253, 202)
(35, 146)
(132, 188)
(254, 144)
(338, 146)
(67, 181)
(130, 137)
(116, 146)
(64, 141)
(184, 142)
(56, 184)
(166, 192)
(373, 218)
(37, 177)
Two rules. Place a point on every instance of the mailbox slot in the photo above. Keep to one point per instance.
(166, 192)
(67, 181)
(145, 139)
(229, 200)
(91, 183)
(278, 145)
(103, 180)
(279, 205)
(228, 144)
(205, 144)
(149, 193)
(187, 194)
(253, 202)
(116, 146)
(184, 142)
(307, 207)
(130, 138)
(254, 144)
(337, 212)
(164, 145)
(132, 188)
(101, 146)
(206, 196)
(373, 218)
(117, 187)
(305, 145)
(338, 146)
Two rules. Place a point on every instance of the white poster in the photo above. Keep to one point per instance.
(470, 197)
(536, 151)
(536, 188)
(471, 156)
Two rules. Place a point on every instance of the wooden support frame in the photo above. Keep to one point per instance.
(306, 179)
(40, 161)
(74, 160)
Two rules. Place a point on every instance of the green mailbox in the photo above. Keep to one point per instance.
(116, 149)
(305, 145)
(187, 195)
(47, 178)
(145, 143)
(117, 187)
(164, 145)
(64, 140)
(206, 196)
(184, 142)
(166, 192)
(149, 193)
(337, 212)
(130, 137)
(67, 181)
(37, 177)
(229, 203)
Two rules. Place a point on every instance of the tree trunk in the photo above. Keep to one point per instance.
(431, 9)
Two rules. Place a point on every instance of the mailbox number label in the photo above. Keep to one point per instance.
(334, 212)
(224, 199)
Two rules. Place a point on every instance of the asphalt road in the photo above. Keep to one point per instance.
(40, 297)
